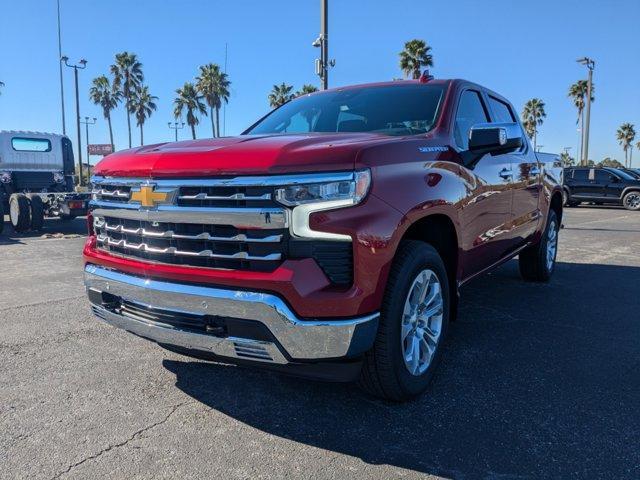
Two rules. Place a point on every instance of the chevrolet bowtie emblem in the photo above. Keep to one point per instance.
(150, 198)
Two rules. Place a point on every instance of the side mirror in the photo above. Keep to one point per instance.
(495, 138)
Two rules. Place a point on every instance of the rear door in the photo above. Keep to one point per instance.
(581, 185)
(487, 204)
(526, 179)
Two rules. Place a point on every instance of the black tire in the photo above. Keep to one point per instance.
(37, 211)
(384, 373)
(534, 260)
(19, 212)
(631, 201)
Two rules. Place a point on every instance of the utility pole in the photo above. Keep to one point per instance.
(64, 123)
(86, 126)
(323, 63)
(81, 65)
(224, 105)
(176, 126)
(591, 65)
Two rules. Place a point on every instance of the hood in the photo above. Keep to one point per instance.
(243, 155)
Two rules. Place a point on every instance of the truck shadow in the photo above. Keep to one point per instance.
(537, 380)
(52, 227)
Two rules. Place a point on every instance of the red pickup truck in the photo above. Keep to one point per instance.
(331, 238)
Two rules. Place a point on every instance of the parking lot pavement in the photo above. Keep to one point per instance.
(537, 381)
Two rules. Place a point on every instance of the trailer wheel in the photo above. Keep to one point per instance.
(37, 211)
(19, 212)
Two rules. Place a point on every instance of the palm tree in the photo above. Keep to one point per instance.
(102, 93)
(533, 115)
(214, 86)
(578, 93)
(626, 134)
(567, 160)
(306, 89)
(415, 56)
(189, 99)
(142, 106)
(280, 94)
(127, 77)
(1, 85)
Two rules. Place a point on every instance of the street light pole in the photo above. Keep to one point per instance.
(64, 123)
(323, 63)
(86, 126)
(176, 126)
(81, 65)
(591, 65)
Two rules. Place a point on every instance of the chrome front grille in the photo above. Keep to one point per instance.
(213, 246)
(212, 223)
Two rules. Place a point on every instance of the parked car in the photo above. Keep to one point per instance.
(36, 179)
(601, 186)
(331, 238)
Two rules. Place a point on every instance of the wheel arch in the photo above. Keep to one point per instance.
(440, 231)
(555, 204)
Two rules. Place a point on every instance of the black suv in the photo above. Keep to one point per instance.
(599, 186)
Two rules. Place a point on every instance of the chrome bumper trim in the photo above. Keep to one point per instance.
(263, 218)
(302, 339)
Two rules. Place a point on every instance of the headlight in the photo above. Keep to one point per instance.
(5, 177)
(58, 177)
(308, 198)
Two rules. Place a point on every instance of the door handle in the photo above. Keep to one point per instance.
(506, 173)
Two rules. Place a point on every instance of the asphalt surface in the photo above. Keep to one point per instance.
(537, 381)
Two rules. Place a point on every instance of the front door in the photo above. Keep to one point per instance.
(486, 206)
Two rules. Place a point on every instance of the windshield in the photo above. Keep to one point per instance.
(390, 110)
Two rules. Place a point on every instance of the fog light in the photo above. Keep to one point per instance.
(58, 177)
(5, 177)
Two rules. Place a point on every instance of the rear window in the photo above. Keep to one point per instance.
(23, 144)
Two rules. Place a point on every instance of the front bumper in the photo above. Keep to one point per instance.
(290, 340)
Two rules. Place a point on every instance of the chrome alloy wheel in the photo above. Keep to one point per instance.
(422, 322)
(632, 200)
(552, 245)
(14, 212)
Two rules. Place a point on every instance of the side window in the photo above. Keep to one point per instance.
(501, 111)
(470, 112)
(580, 175)
(602, 176)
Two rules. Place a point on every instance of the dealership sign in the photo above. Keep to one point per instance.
(100, 149)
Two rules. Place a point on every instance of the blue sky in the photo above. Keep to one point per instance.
(520, 49)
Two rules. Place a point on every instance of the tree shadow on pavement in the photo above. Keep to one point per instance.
(537, 380)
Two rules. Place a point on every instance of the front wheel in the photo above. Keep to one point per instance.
(631, 201)
(413, 323)
(538, 262)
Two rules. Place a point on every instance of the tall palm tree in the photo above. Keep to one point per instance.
(214, 86)
(280, 94)
(189, 99)
(625, 135)
(127, 77)
(1, 85)
(415, 56)
(306, 88)
(533, 116)
(578, 94)
(142, 106)
(102, 93)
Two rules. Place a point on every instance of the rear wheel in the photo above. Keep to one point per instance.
(413, 323)
(631, 201)
(19, 212)
(538, 262)
(37, 211)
